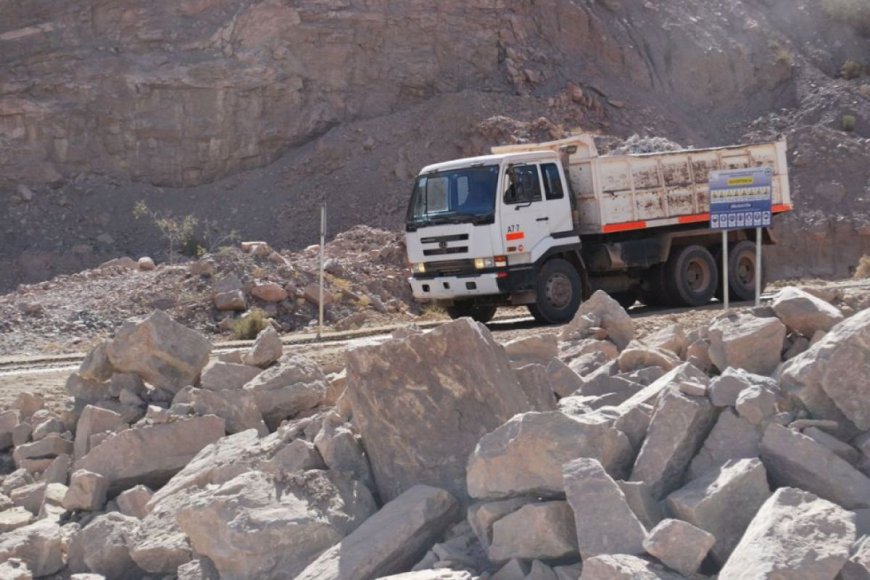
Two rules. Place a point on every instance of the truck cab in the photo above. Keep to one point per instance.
(478, 228)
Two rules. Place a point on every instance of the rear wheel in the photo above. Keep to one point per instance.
(741, 271)
(558, 292)
(476, 312)
(691, 276)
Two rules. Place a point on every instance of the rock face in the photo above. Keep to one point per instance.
(804, 313)
(723, 502)
(678, 427)
(391, 540)
(161, 351)
(747, 342)
(255, 526)
(421, 406)
(150, 455)
(794, 535)
(799, 461)
(605, 523)
(526, 454)
(831, 378)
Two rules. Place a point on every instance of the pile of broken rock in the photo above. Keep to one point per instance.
(740, 450)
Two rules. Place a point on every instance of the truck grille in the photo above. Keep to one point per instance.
(449, 268)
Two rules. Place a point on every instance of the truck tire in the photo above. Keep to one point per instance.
(691, 276)
(558, 292)
(479, 313)
(741, 271)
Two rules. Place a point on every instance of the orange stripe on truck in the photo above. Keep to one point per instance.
(693, 219)
(781, 208)
(623, 227)
(514, 236)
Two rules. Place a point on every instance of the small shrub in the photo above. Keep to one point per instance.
(848, 123)
(781, 55)
(863, 269)
(864, 90)
(250, 325)
(851, 70)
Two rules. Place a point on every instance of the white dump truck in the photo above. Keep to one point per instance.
(544, 225)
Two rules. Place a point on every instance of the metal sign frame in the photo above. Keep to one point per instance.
(740, 199)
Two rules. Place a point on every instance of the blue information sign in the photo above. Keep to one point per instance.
(740, 198)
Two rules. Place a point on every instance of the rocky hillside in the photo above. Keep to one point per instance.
(740, 449)
(252, 112)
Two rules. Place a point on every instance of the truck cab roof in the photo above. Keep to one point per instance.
(527, 157)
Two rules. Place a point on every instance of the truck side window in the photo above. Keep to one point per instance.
(523, 184)
(552, 181)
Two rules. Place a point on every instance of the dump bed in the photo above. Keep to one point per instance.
(629, 192)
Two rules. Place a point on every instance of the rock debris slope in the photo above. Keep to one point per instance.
(436, 457)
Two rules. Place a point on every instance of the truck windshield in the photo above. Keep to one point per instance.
(454, 196)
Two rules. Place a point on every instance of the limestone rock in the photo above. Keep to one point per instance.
(39, 545)
(536, 530)
(237, 408)
(102, 547)
(266, 350)
(650, 393)
(134, 501)
(796, 460)
(624, 567)
(732, 437)
(757, 403)
(638, 356)
(87, 491)
(562, 379)
(605, 523)
(679, 545)
(37, 456)
(161, 351)
(726, 388)
(219, 376)
(676, 431)
(526, 454)
(390, 541)
(341, 451)
(421, 406)
(672, 338)
(535, 383)
(150, 455)
(722, 502)
(159, 545)
(482, 516)
(846, 452)
(94, 420)
(96, 365)
(296, 384)
(831, 378)
(747, 342)
(232, 300)
(58, 470)
(14, 518)
(30, 497)
(804, 313)
(795, 535)
(537, 348)
(600, 310)
(257, 526)
(146, 264)
(268, 292)
(857, 567)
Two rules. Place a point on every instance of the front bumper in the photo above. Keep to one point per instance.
(453, 287)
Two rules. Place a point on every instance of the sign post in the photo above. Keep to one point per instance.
(741, 199)
(320, 289)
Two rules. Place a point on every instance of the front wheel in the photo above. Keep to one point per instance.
(558, 292)
(479, 313)
(741, 271)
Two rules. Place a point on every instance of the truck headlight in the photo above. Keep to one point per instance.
(419, 268)
(481, 263)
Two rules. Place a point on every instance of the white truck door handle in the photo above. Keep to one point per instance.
(544, 219)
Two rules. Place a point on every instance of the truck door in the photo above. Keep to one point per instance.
(535, 207)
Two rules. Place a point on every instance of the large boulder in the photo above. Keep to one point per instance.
(39, 545)
(94, 420)
(679, 545)
(161, 351)
(218, 375)
(390, 541)
(732, 437)
(722, 502)
(797, 460)
(266, 350)
(678, 427)
(805, 313)
(260, 526)
(526, 454)
(294, 385)
(746, 341)
(605, 523)
(831, 378)
(150, 455)
(422, 402)
(601, 311)
(794, 535)
(101, 547)
(624, 567)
